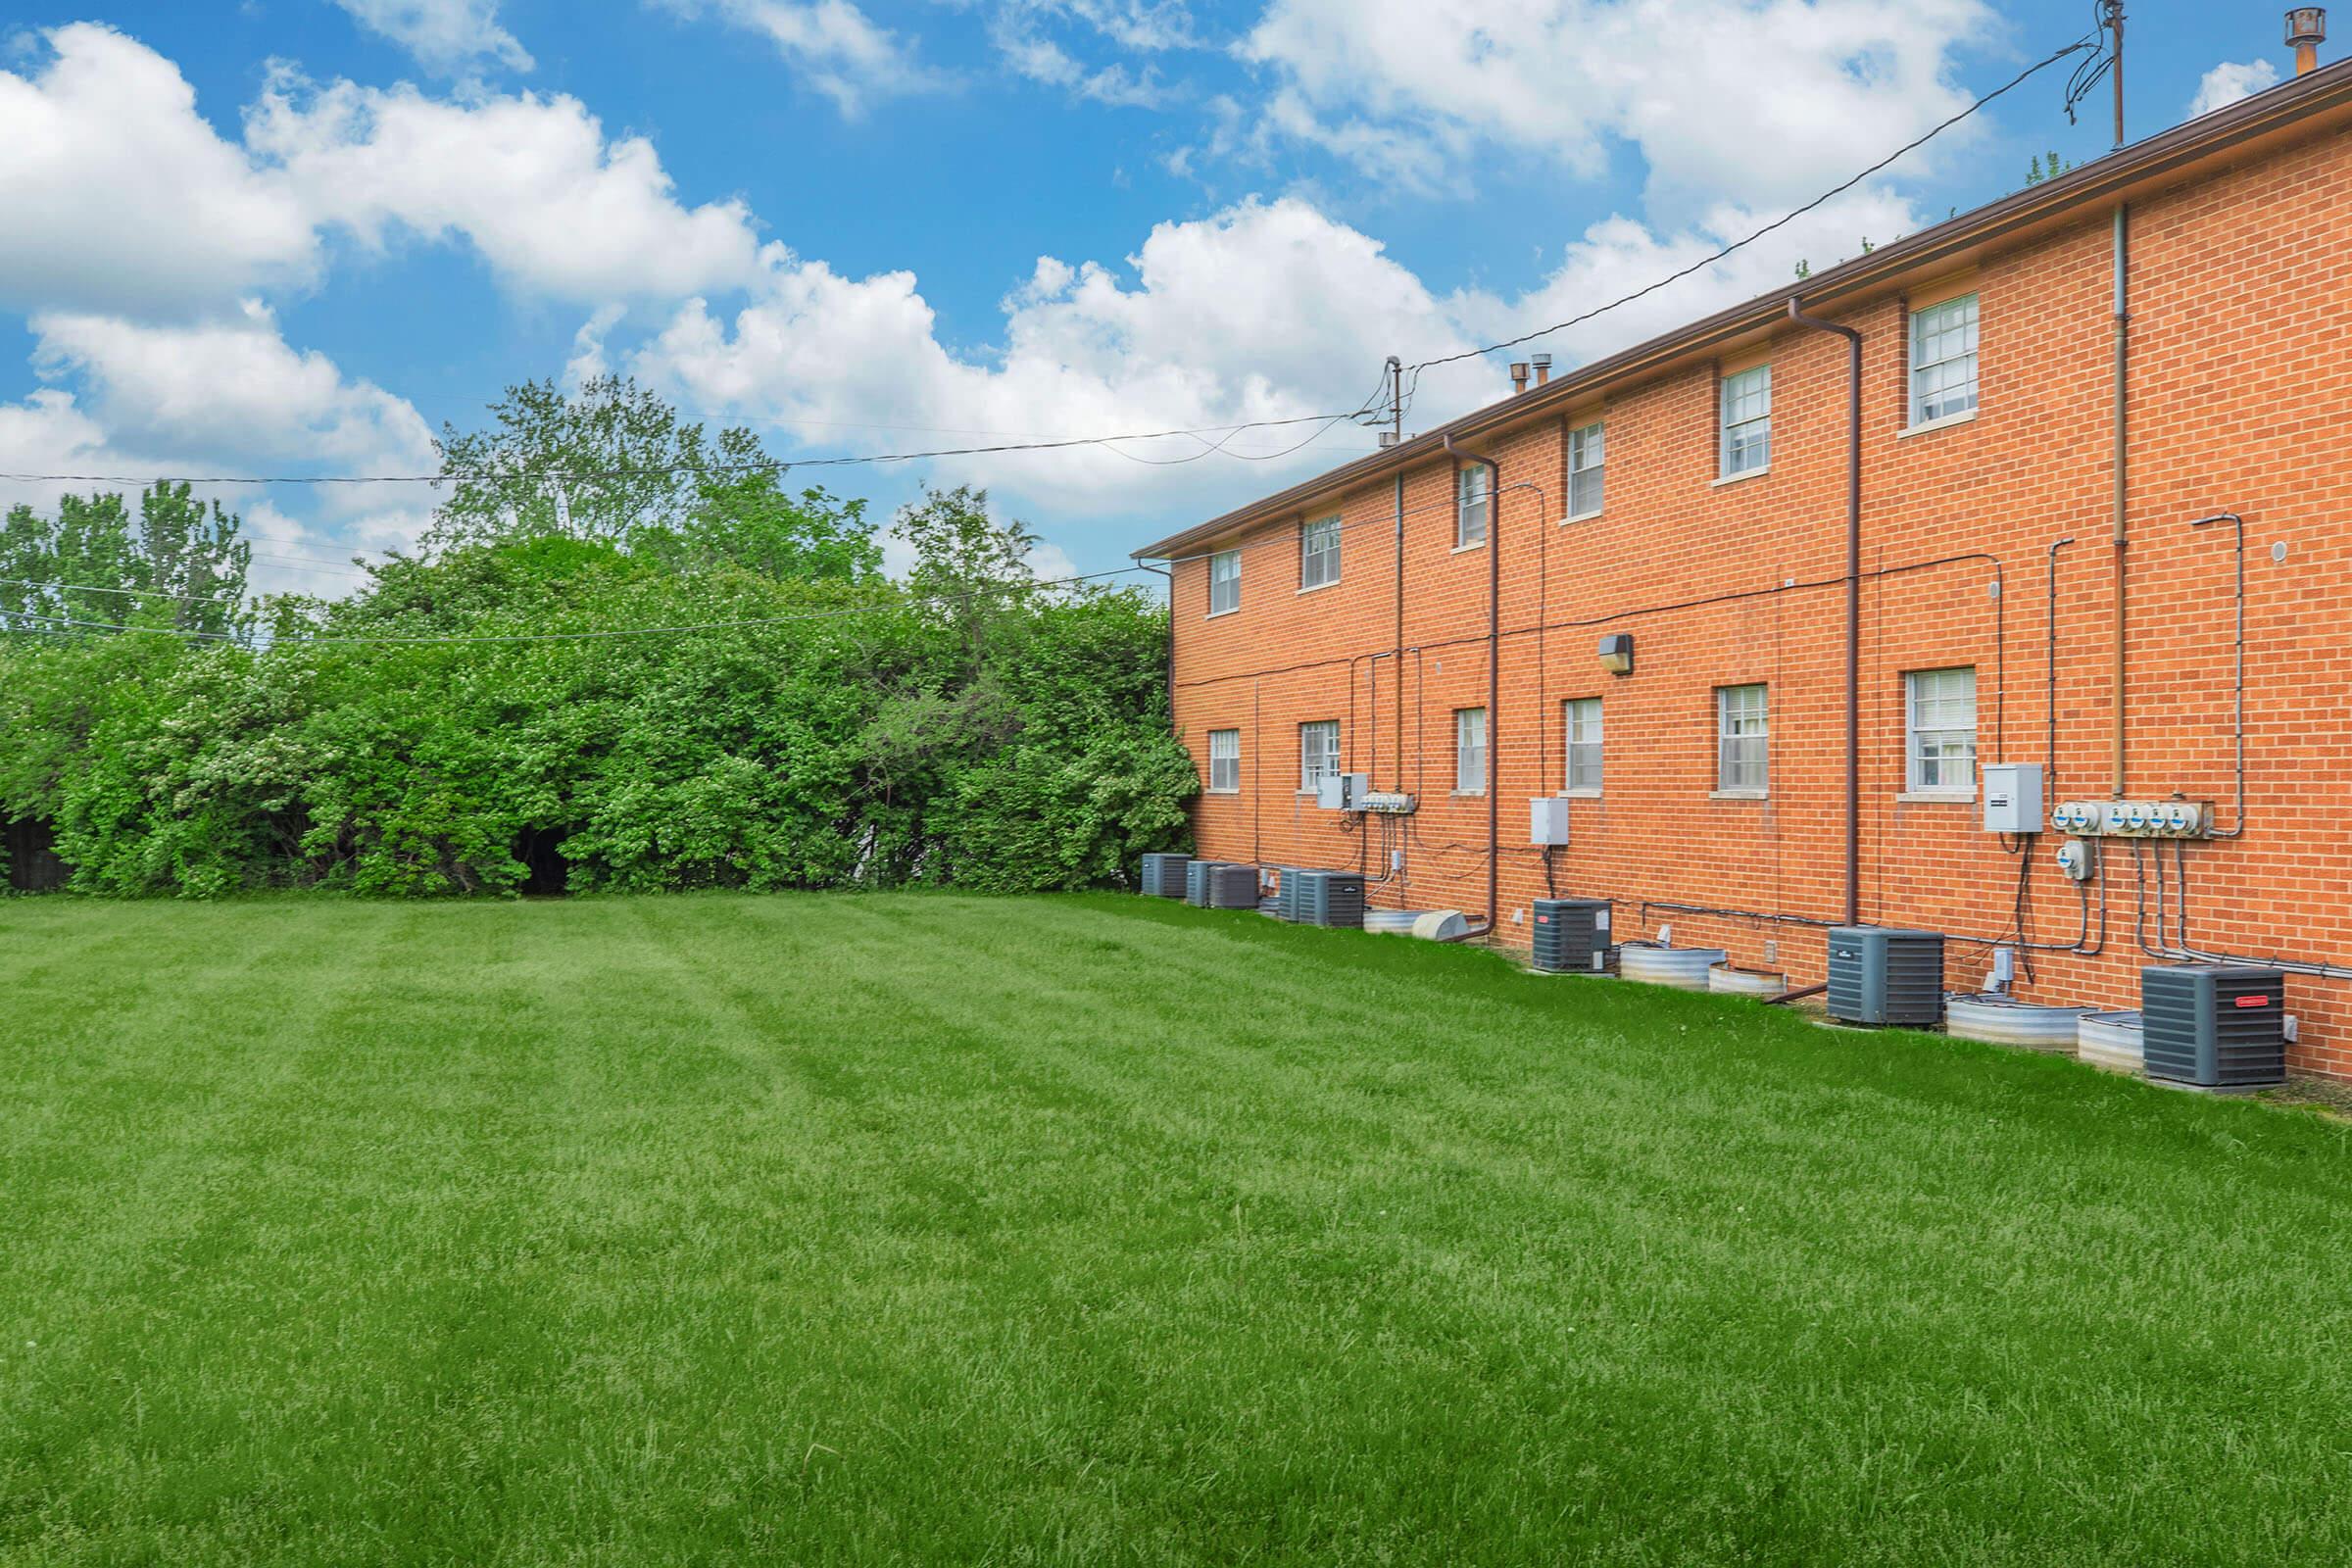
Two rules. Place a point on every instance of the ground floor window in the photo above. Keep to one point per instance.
(1225, 762)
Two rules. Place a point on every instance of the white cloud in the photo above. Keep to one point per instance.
(116, 194)
(2230, 82)
(1756, 99)
(532, 182)
(1023, 34)
(1085, 353)
(831, 44)
(233, 387)
(447, 36)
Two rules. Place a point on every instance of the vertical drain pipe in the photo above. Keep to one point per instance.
(1853, 601)
(1494, 679)
(1400, 633)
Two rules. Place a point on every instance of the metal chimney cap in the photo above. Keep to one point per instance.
(1539, 360)
(2307, 25)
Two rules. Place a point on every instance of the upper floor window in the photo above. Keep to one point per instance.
(1471, 503)
(1944, 360)
(1224, 581)
(1318, 551)
(1225, 762)
(1940, 728)
(1742, 731)
(1318, 752)
(1746, 438)
(1470, 751)
(1587, 458)
(1584, 745)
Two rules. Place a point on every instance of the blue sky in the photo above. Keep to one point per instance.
(298, 235)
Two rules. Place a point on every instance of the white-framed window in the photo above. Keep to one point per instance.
(1940, 728)
(1944, 360)
(1318, 551)
(1470, 751)
(1224, 581)
(1471, 505)
(1587, 460)
(1743, 734)
(1225, 762)
(1318, 751)
(1583, 714)
(1746, 438)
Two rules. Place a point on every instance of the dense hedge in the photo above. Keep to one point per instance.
(960, 725)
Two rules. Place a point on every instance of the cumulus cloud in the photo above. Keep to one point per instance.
(117, 193)
(447, 36)
(530, 182)
(232, 386)
(1411, 89)
(2230, 82)
(831, 44)
(1085, 352)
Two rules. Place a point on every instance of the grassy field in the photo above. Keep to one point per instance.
(1098, 1231)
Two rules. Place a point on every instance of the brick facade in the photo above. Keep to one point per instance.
(2240, 389)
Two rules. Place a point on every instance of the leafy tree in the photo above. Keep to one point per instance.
(180, 564)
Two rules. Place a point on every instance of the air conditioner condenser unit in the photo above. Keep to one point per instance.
(2217, 1027)
(1879, 976)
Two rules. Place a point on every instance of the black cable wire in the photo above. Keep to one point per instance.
(2088, 41)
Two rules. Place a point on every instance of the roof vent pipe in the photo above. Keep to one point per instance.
(2306, 31)
(1543, 364)
(1519, 377)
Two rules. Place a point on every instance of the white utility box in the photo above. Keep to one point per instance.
(1548, 820)
(1341, 792)
(2012, 797)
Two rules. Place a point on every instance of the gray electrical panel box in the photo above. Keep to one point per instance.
(1343, 792)
(1881, 976)
(1548, 820)
(2012, 797)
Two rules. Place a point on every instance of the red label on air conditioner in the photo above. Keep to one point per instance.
(2253, 1002)
(1543, 919)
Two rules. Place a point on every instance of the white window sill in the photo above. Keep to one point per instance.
(1579, 516)
(1937, 797)
(1582, 792)
(1739, 795)
(1468, 795)
(1220, 791)
(1743, 474)
(1475, 544)
(1945, 424)
(1318, 587)
(1217, 613)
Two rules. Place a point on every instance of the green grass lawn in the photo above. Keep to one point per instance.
(1092, 1231)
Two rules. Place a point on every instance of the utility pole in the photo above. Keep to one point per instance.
(1396, 402)
(2111, 17)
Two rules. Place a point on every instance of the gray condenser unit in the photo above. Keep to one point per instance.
(2214, 1026)
(1195, 881)
(1233, 886)
(1329, 897)
(1285, 904)
(1571, 936)
(1163, 875)
(1879, 976)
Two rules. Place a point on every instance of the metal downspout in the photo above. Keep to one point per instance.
(1494, 680)
(2121, 535)
(1853, 603)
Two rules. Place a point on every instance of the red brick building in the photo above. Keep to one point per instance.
(2184, 304)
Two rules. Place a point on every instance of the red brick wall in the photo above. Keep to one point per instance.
(2241, 389)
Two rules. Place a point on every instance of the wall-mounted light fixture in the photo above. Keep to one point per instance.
(1617, 652)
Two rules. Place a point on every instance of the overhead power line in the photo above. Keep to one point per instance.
(2088, 41)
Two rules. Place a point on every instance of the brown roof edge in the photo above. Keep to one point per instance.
(2276, 111)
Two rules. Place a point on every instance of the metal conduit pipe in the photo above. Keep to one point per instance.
(2120, 536)
(2049, 656)
(1494, 679)
(2239, 826)
(1853, 603)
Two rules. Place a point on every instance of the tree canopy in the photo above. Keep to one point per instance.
(589, 676)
